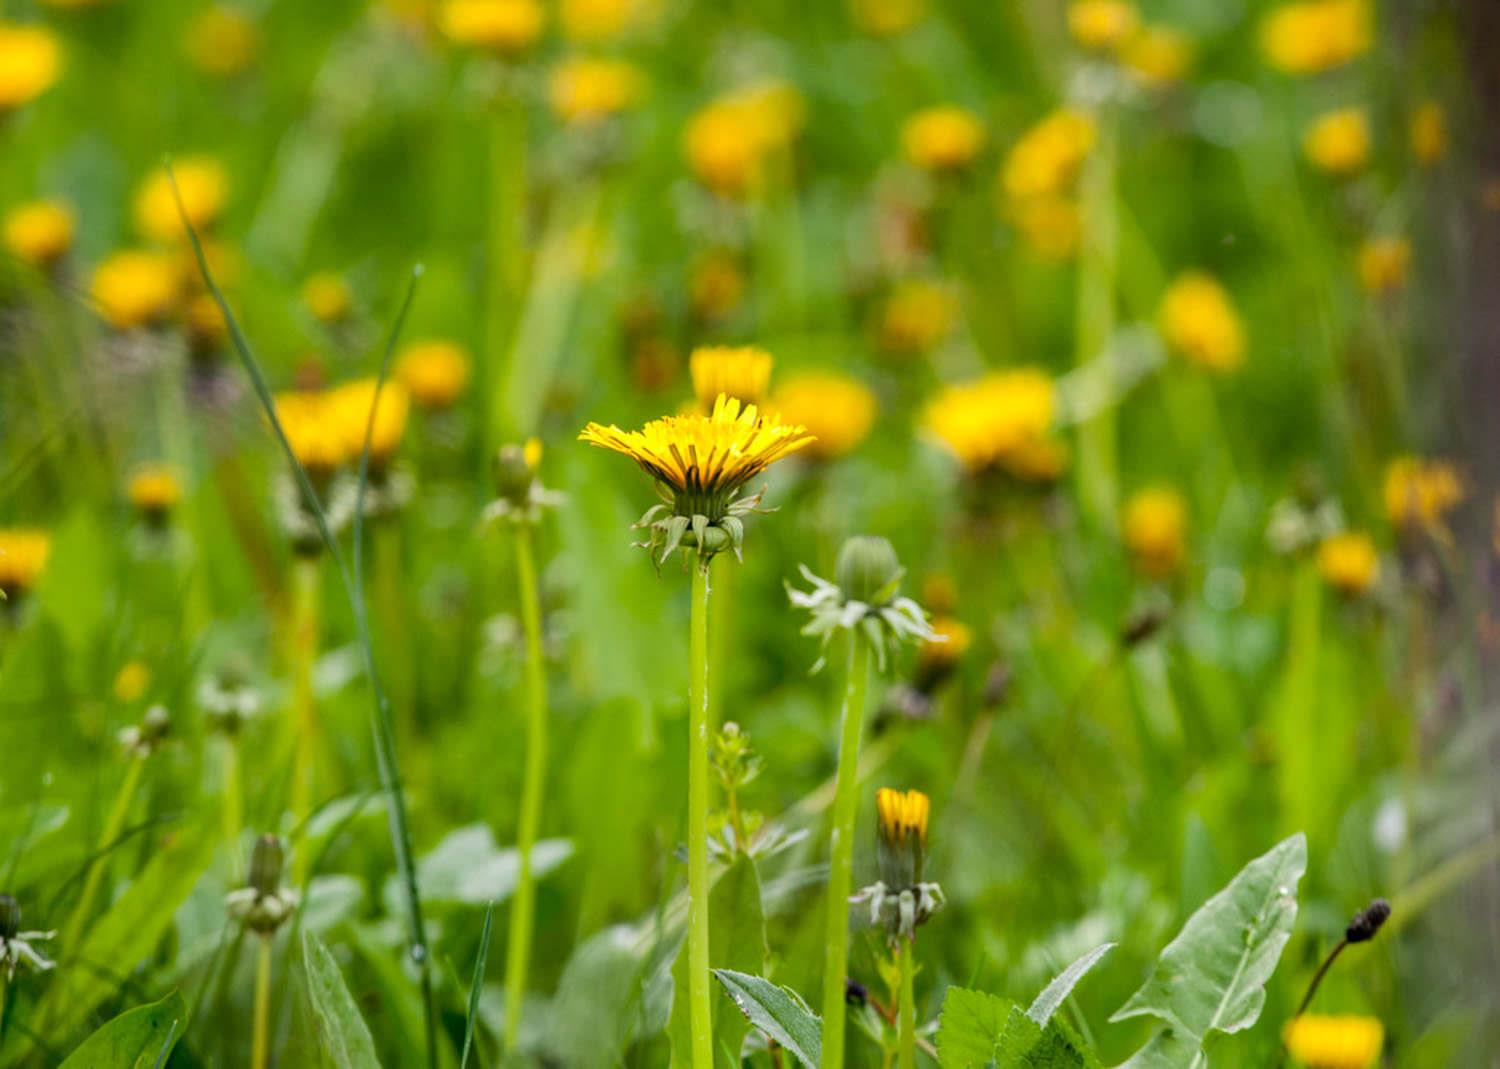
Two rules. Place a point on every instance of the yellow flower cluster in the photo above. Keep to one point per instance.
(742, 372)
(326, 428)
(1348, 562)
(502, 27)
(585, 89)
(1334, 1042)
(1419, 493)
(204, 186)
(1037, 179)
(836, 409)
(433, 372)
(1154, 527)
(999, 420)
(728, 141)
(943, 138)
(1200, 324)
(1338, 143)
(30, 63)
(23, 555)
(39, 232)
(222, 41)
(1383, 264)
(1310, 36)
(917, 315)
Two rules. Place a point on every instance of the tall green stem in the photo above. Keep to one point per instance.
(304, 715)
(699, 1017)
(234, 813)
(505, 254)
(906, 1012)
(523, 903)
(841, 851)
(100, 862)
(260, 1038)
(1096, 319)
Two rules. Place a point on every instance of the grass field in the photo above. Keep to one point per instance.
(586, 533)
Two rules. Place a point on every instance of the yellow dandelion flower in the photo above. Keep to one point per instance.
(434, 372)
(838, 410)
(154, 489)
(1327, 1042)
(887, 18)
(1428, 133)
(504, 27)
(316, 439)
(584, 89)
(131, 682)
(716, 286)
(39, 232)
(205, 322)
(1154, 527)
(349, 407)
(204, 186)
(1200, 324)
(1338, 143)
(327, 296)
(1040, 460)
(902, 817)
(743, 372)
(1348, 562)
(1047, 157)
(136, 288)
(222, 41)
(1051, 225)
(987, 422)
(917, 316)
(1383, 264)
(1157, 55)
(1419, 493)
(943, 138)
(1311, 36)
(951, 641)
(727, 141)
(940, 593)
(592, 21)
(1101, 25)
(30, 63)
(23, 556)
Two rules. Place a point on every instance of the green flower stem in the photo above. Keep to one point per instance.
(304, 653)
(906, 1012)
(1097, 268)
(234, 812)
(523, 902)
(718, 637)
(99, 863)
(260, 1038)
(505, 254)
(841, 864)
(700, 1019)
(393, 617)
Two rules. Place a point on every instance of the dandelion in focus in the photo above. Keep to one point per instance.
(741, 372)
(836, 409)
(1200, 324)
(39, 232)
(1338, 143)
(136, 288)
(1154, 527)
(943, 138)
(30, 64)
(1329, 1042)
(1348, 562)
(433, 372)
(204, 187)
(1383, 264)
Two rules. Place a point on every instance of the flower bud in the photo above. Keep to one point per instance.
(10, 918)
(1367, 922)
(868, 570)
(513, 473)
(902, 828)
(266, 862)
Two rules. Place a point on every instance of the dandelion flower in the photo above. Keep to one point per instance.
(131, 682)
(204, 186)
(349, 408)
(503, 27)
(916, 317)
(39, 232)
(154, 491)
(988, 422)
(1047, 157)
(1311, 36)
(592, 21)
(742, 372)
(23, 556)
(887, 18)
(434, 372)
(30, 63)
(943, 138)
(134, 289)
(728, 140)
(585, 90)
(1348, 562)
(1383, 264)
(1155, 531)
(327, 296)
(1157, 55)
(315, 438)
(222, 41)
(1338, 143)
(838, 410)
(1051, 225)
(1101, 25)
(1200, 324)
(1326, 1042)
(1419, 493)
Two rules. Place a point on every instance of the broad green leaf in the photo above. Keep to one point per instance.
(136, 1039)
(342, 1034)
(979, 1031)
(1062, 985)
(468, 868)
(1211, 978)
(598, 997)
(779, 1012)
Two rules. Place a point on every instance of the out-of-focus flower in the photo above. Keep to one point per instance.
(1325, 1042)
(837, 409)
(263, 904)
(23, 556)
(1348, 562)
(1102, 25)
(727, 141)
(917, 315)
(1155, 531)
(937, 656)
(1200, 323)
(994, 420)
(886, 18)
(39, 232)
(327, 296)
(503, 27)
(30, 63)
(1419, 493)
(1428, 133)
(1338, 143)
(586, 89)
(742, 372)
(1157, 55)
(348, 408)
(592, 21)
(16, 947)
(204, 186)
(716, 286)
(136, 288)
(205, 322)
(1047, 156)
(1309, 36)
(1383, 264)
(316, 440)
(943, 138)
(222, 41)
(1051, 225)
(434, 372)
(75, 5)
(131, 682)
(154, 491)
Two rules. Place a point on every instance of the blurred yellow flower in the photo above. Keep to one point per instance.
(1155, 531)
(993, 420)
(316, 439)
(1338, 143)
(1310, 36)
(1157, 55)
(1101, 25)
(1200, 323)
(727, 141)
(886, 18)
(716, 286)
(30, 62)
(1383, 264)
(204, 186)
(23, 555)
(1419, 493)
(916, 316)
(1047, 156)
(39, 232)
(504, 27)
(592, 21)
(1041, 460)
(1428, 133)
(1051, 225)
(327, 296)
(743, 372)
(136, 288)
(837, 409)
(951, 641)
(131, 682)
(942, 138)
(1348, 562)
(585, 89)
(349, 406)
(1326, 1042)
(434, 372)
(154, 489)
(222, 41)
(205, 322)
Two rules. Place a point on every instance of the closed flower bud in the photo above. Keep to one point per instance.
(513, 473)
(266, 862)
(902, 828)
(868, 569)
(1367, 922)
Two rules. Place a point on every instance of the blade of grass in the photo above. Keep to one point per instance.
(476, 984)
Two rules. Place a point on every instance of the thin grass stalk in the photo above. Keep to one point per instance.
(260, 1037)
(906, 1009)
(841, 862)
(700, 1017)
(306, 583)
(523, 903)
(234, 811)
(113, 825)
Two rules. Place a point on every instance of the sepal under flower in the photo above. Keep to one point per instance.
(884, 623)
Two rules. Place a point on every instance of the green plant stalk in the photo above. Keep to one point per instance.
(523, 902)
(700, 1017)
(1097, 266)
(304, 653)
(260, 1038)
(392, 614)
(906, 1012)
(113, 825)
(718, 638)
(234, 813)
(505, 260)
(841, 853)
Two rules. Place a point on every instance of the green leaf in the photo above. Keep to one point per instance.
(137, 1039)
(1055, 993)
(342, 1033)
(1211, 978)
(468, 868)
(979, 1031)
(779, 1012)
